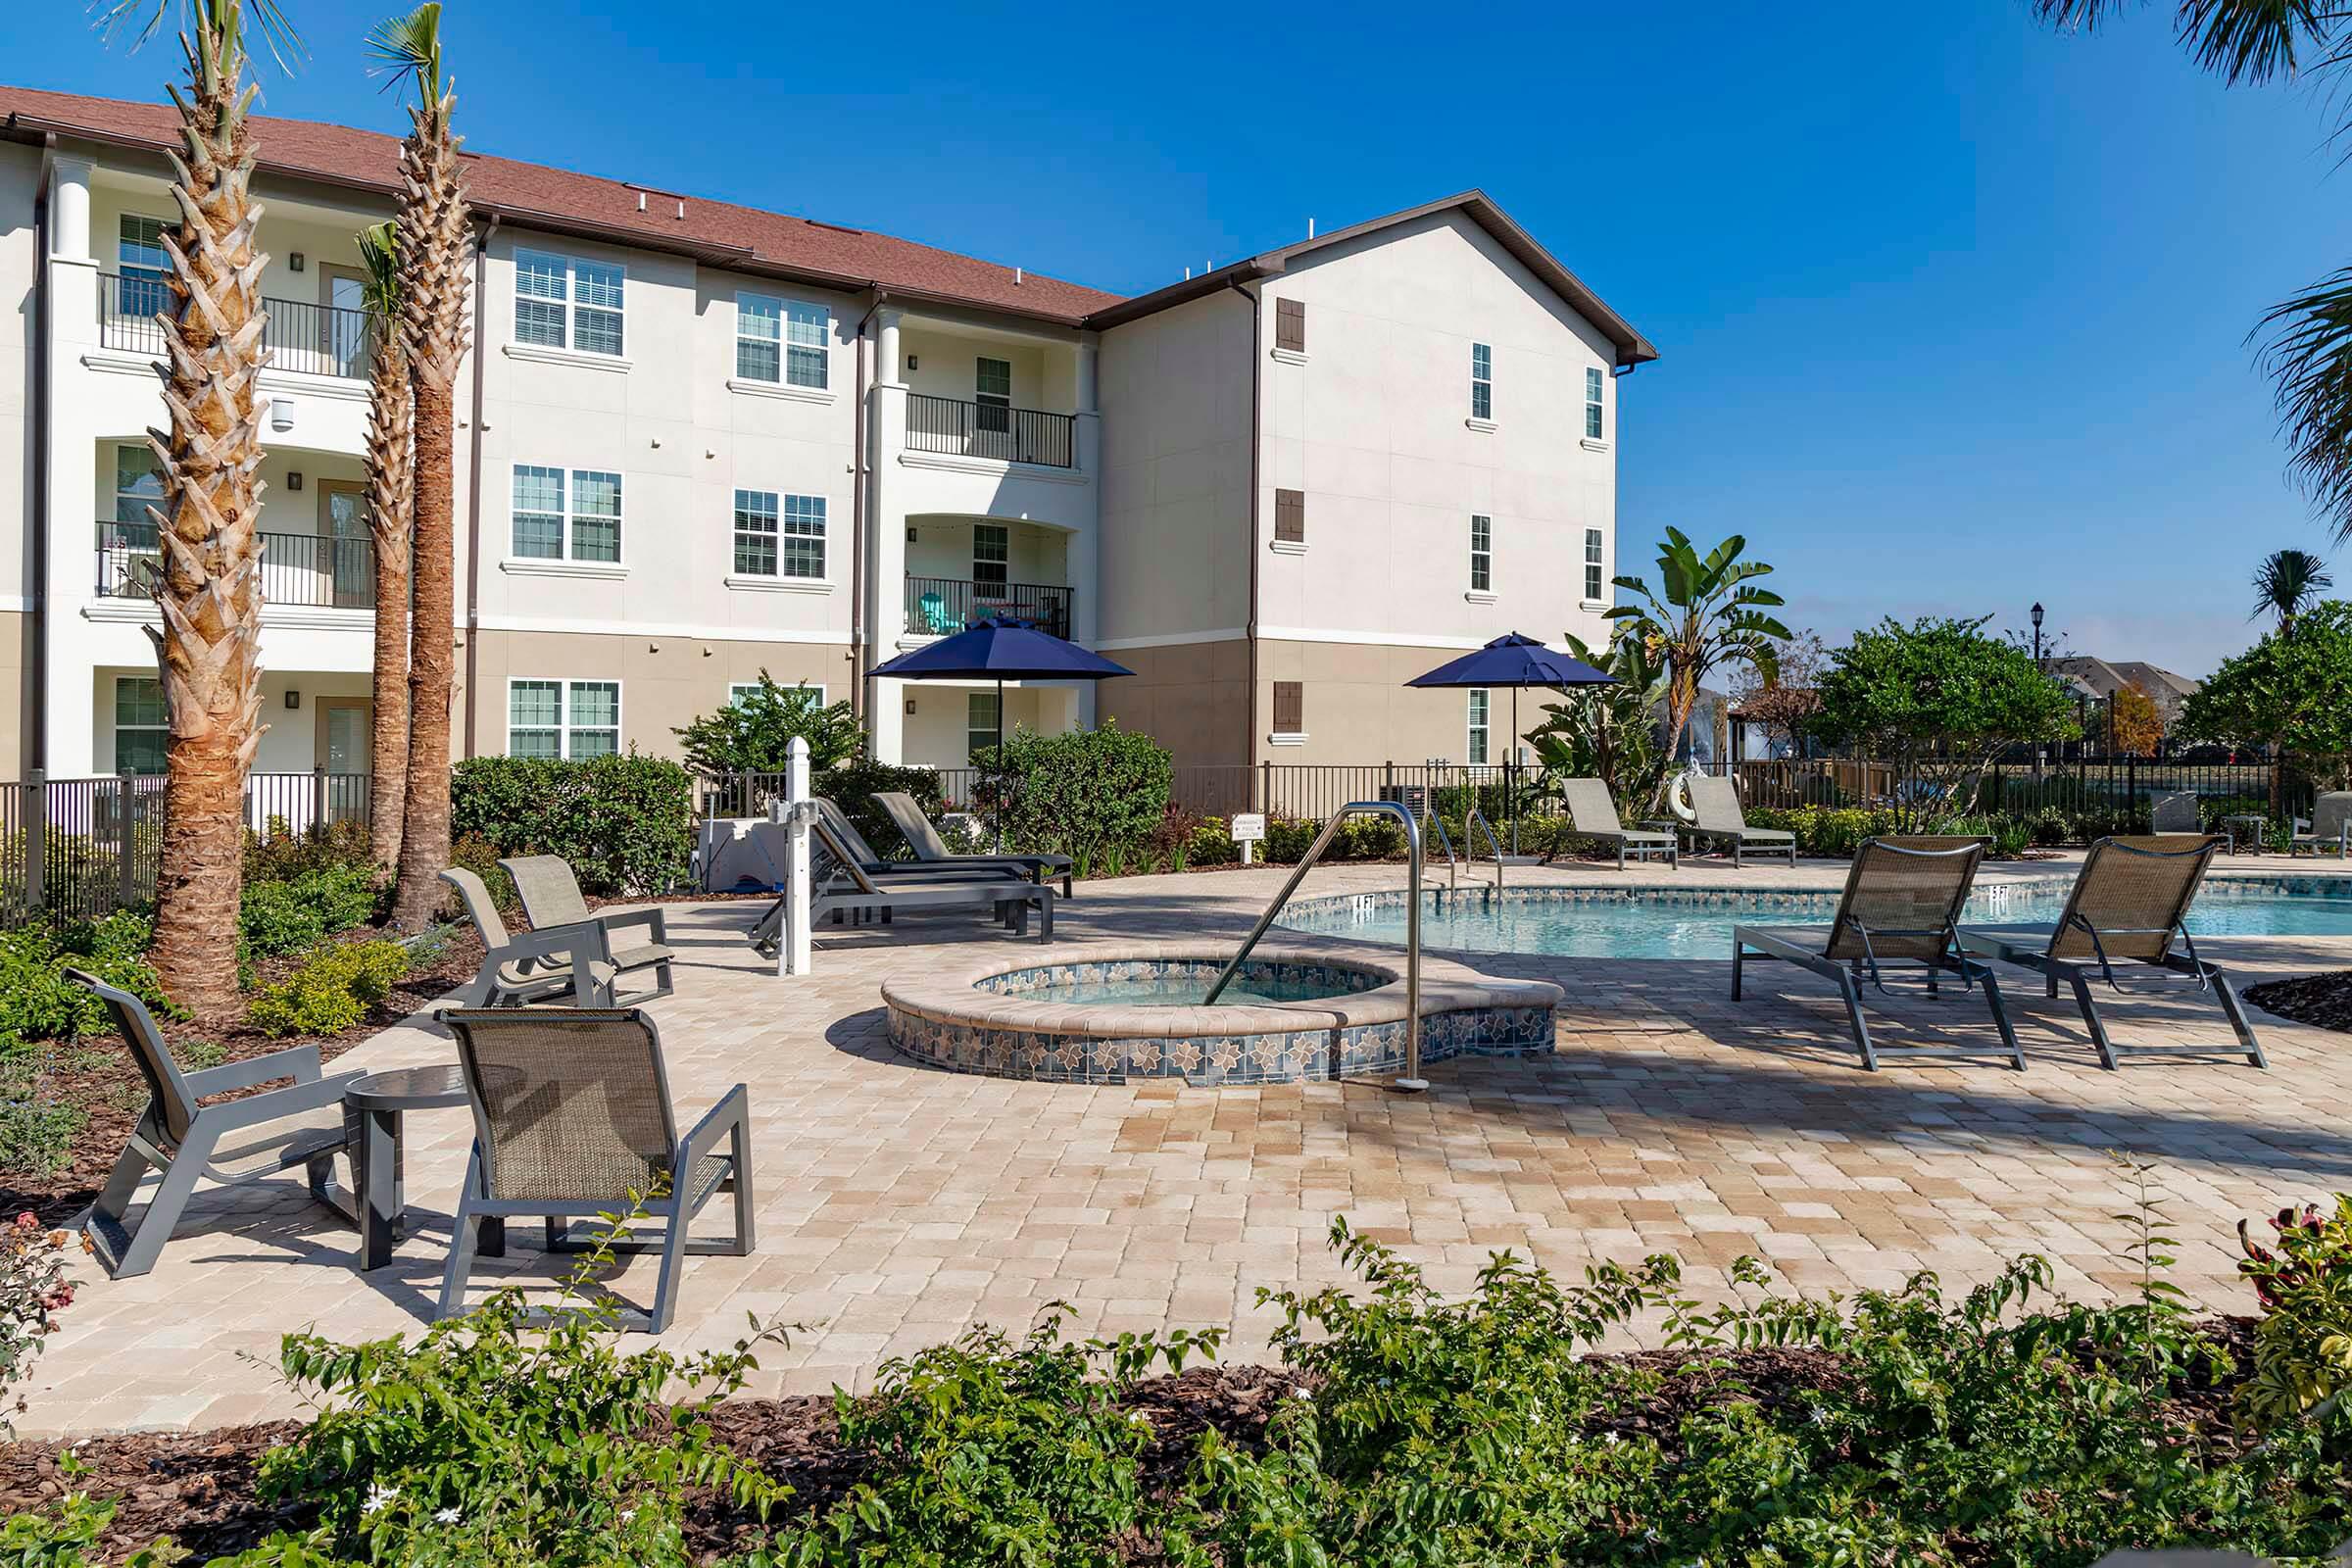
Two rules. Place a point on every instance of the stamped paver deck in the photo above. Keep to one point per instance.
(898, 1204)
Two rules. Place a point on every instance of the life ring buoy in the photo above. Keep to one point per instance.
(1678, 798)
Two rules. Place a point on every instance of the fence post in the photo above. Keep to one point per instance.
(126, 809)
(1265, 785)
(2131, 792)
(317, 795)
(37, 842)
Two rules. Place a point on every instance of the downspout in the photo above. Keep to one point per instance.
(473, 487)
(36, 703)
(858, 468)
(1257, 441)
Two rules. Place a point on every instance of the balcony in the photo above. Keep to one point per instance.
(939, 607)
(989, 431)
(306, 569)
(303, 339)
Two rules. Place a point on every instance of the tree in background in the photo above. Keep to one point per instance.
(1607, 732)
(391, 502)
(1704, 613)
(2294, 693)
(210, 585)
(2133, 724)
(751, 734)
(2287, 583)
(1940, 699)
(436, 249)
(1782, 701)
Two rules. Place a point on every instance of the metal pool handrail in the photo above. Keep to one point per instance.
(1454, 862)
(1478, 818)
(1412, 1079)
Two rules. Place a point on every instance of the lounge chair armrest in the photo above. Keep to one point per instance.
(651, 918)
(734, 1109)
(298, 1063)
(257, 1110)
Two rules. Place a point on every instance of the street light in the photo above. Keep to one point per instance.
(2036, 613)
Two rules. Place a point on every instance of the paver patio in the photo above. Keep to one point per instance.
(898, 1204)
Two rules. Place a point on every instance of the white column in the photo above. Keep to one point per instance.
(792, 953)
(1082, 554)
(886, 610)
(69, 728)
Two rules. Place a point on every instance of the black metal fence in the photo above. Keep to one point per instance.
(302, 337)
(310, 569)
(989, 431)
(939, 607)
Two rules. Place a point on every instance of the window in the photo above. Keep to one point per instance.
(140, 725)
(1480, 707)
(138, 485)
(545, 529)
(737, 689)
(1290, 517)
(139, 257)
(992, 380)
(576, 718)
(1593, 565)
(783, 341)
(1290, 326)
(983, 722)
(1481, 554)
(803, 536)
(779, 536)
(756, 533)
(561, 302)
(1481, 381)
(992, 556)
(1290, 708)
(1592, 387)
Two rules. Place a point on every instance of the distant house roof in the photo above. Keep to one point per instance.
(535, 196)
(2102, 678)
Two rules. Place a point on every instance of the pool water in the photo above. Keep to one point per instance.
(1680, 925)
(1184, 991)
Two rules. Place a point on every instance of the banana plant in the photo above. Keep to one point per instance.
(1706, 613)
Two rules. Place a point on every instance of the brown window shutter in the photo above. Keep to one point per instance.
(1290, 708)
(1290, 517)
(1290, 326)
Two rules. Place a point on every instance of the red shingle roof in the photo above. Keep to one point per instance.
(535, 196)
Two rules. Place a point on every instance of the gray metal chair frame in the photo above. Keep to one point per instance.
(2330, 826)
(551, 897)
(1592, 814)
(869, 861)
(182, 1139)
(922, 836)
(506, 1177)
(508, 977)
(848, 892)
(2127, 906)
(1901, 904)
(1715, 806)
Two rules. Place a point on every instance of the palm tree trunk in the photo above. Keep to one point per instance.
(211, 593)
(390, 501)
(432, 661)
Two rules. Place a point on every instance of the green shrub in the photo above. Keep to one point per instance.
(2303, 1351)
(624, 823)
(333, 990)
(37, 1001)
(280, 917)
(282, 855)
(470, 852)
(852, 786)
(1095, 796)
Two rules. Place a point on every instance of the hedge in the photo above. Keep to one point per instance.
(626, 823)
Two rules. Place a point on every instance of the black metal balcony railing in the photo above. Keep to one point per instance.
(308, 569)
(939, 607)
(989, 431)
(306, 338)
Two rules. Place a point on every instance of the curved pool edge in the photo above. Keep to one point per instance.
(944, 1019)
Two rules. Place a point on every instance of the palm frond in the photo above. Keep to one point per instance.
(2254, 40)
(408, 50)
(2307, 350)
(223, 20)
(379, 258)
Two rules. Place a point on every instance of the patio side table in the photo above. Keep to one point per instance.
(372, 1108)
(2246, 828)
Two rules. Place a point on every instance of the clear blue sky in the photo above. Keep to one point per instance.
(1951, 307)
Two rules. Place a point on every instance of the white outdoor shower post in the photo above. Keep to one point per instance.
(792, 955)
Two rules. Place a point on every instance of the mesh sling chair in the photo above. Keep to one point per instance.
(510, 975)
(922, 836)
(2127, 906)
(1901, 904)
(2328, 828)
(572, 1121)
(551, 897)
(1715, 814)
(1592, 814)
(233, 1144)
(842, 888)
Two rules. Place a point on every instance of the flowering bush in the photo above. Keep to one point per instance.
(2303, 1351)
(33, 1290)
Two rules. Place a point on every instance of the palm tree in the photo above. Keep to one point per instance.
(391, 504)
(210, 586)
(1705, 612)
(436, 246)
(2307, 340)
(2287, 583)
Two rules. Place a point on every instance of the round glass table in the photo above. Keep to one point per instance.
(372, 1110)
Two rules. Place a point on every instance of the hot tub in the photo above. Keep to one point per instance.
(1133, 1011)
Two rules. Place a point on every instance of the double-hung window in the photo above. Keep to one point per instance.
(784, 342)
(140, 727)
(983, 723)
(1481, 554)
(566, 514)
(1480, 707)
(563, 302)
(563, 719)
(1593, 565)
(1481, 381)
(141, 258)
(738, 690)
(992, 383)
(779, 535)
(992, 557)
(1594, 381)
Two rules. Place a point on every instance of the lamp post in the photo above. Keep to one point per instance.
(2037, 614)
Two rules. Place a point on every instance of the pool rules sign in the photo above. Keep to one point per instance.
(1250, 829)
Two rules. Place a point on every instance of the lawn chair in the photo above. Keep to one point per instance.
(551, 897)
(572, 1121)
(2127, 906)
(2175, 813)
(236, 1143)
(845, 890)
(1592, 814)
(922, 836)
(1901, 904)
(2328, 827)
(507, 977)
(1715, 814)
(956, 868)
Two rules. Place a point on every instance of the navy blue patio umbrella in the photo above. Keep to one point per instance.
(1514, 662)
(1003, 649)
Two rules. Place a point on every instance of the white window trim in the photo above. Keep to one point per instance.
(569, 352)
(1591, 445)
(565, 564)
(563, 726)
(1472, 730)
(776, 582)
(777, 389)
(1482, 426)
(1477, 421)
(1597, 397)
(736, 688)
(1588, 566)
(1472, 588)
(1478, 596)
(1289, 356)
(782, 385)
(1287, 738)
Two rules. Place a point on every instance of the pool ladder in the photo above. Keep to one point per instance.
(1412, 1079)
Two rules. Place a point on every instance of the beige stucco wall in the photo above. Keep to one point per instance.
(19, 186)
(1193, 697)
(16, 696)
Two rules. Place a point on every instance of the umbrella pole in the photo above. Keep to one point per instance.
(1511, 773)
(1001, 773)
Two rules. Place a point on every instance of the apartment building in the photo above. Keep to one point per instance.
(698, 441)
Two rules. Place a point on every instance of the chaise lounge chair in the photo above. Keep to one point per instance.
(550, 898)
(2127, 907)
(571, 1121)
(1593, 814)
(992, 868)
(922, 836)
(845, 890)
(2176, 813)
(234, 1144)
(2328, 827)
(1716, 815)
(1901, 904)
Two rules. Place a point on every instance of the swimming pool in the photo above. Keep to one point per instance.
(1675, 923)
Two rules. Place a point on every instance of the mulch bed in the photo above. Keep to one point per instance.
(200, 1487)
(2325, 1000)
